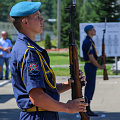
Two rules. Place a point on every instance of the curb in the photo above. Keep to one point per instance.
(61, 77)
(98, 76)
(5, 82)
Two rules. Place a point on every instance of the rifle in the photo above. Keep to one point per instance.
(105, 75)
(74, 65)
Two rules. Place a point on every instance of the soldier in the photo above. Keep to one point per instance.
(34, 83)
(91, 65)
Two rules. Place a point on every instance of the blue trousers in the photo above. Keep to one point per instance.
(90, 72)
(6, 61)
(43, 115)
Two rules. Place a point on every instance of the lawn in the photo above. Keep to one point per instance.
(58, 58)
(62, 58)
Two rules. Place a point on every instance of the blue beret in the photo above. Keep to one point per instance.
(24, 8)
(88, 27)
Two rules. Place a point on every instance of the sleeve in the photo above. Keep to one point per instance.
(32, 71)
(10, 44)
(89, 48)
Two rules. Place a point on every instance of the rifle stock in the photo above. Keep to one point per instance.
(74, 71)
(74, 64)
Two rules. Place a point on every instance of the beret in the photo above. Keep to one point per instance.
(88, 27)
(24, 8)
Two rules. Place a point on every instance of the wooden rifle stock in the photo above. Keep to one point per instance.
(105, 75)
(74, 65)
(74, 71)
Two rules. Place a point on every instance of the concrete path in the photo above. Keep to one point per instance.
(106, 101)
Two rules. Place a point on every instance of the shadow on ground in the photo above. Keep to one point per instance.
(9, 114)
(102, 116)
(6, 97)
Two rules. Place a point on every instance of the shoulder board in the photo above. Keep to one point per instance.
(90, 40)
(31, 48)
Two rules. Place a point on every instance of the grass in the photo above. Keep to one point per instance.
(41, 43)
(59, 58)
(61, 71)
(63, 59)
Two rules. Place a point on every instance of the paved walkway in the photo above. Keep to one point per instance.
(105, 102)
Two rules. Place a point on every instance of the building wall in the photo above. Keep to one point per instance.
(7, 26)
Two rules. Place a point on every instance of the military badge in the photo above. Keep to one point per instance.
(91, 48)
(33, 68)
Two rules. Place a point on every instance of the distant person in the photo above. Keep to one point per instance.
(91, 65)
(1, 54)
(5, 46)
(33, 80)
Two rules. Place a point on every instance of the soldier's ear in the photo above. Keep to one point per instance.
(25, 22)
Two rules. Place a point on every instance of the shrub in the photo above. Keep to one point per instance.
(47, 43)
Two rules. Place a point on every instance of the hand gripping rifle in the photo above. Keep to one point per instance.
(74, 65)
(105, 75)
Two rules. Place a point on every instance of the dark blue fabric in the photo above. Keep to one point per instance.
(88, 49)
(6, 61)
(90, 69)
(90, 72)
(35, 79)
(39, 115)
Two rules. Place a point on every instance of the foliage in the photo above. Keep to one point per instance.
(47, 42)
(65, 23)
(48, 10)
(86, 11)
(105, 8)
(5, 6)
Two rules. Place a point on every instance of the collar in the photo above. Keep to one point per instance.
(3, 40)
(29, 42)
(89, 38)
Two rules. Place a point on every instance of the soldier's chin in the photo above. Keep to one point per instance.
(41, 31)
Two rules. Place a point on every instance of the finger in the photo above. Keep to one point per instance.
(83, 78)
(83, 104)
(70, 81)
(80, 75)
(80, 71)
(81, 99)
(85, 82)
(82, 110)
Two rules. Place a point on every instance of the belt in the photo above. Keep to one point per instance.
(88, 61)
(33, 109)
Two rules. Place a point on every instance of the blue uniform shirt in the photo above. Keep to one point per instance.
(5, 43)
(88, 47)
(32, 72)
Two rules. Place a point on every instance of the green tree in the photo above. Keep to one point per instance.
(47, 43)
(48, 11)
(65, 23)
(5, 6)
(105, 8)
(49, 7)
(85, 12)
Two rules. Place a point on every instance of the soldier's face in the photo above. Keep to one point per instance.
(35, 22)
(93, 31)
